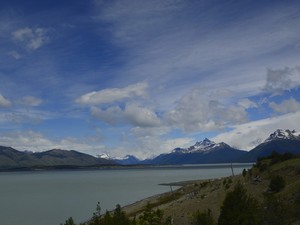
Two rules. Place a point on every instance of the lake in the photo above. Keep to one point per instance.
(50, 197)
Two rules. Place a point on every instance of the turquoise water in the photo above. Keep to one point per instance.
(50, 197)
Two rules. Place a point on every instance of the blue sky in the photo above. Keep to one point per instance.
(143, 77)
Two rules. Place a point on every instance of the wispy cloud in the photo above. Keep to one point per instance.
(32, 38)
(31, 101)
(4, 102)
(15, 54)
(163, 48)
(149, 71)
(111, 95)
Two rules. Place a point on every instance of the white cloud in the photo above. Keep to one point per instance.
(148, 142)
(249, 135)
(201, 109)
(281, 80)
(247, 103)
(286, 106)
(31, 101)
(111, 95)
(4, 102)
(132, 114)
(37, 142)
(141, 116)
(153, 146)
(175, 51)
(113, 115)
(32, 38)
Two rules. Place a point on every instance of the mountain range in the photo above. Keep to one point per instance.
(56, 158)
(207, 151)
(201, 152)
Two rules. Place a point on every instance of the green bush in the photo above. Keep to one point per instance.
(203, 218)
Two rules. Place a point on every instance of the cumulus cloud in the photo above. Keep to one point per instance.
(141, 116)
(281, 80)
(202, 109)
(111, 95)
(286, 106)
(31, 101)
(132, 114)
(32, 38)
(113, 115)
(247, 103)
(248, 135)
(4, 102)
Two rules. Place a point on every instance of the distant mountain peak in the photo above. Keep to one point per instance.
(200, 146)
(281, 134)
(104, 156)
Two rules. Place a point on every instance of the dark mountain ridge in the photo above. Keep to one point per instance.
(201, 152)
(205, 151)
(11, 158)
(281, 141)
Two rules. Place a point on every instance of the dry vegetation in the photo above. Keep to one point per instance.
(195, 196)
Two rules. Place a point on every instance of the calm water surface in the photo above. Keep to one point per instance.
(50, 197)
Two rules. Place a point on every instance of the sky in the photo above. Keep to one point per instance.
(142, 77)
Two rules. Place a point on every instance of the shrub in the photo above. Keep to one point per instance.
(203, 218)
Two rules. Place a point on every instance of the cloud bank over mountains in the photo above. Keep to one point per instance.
(143, 77)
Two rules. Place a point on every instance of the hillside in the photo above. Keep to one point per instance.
(196, 196)
(12, 159)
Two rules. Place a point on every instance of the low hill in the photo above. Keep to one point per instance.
(11, 158)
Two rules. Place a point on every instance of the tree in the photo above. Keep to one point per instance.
(153, 217)
(69, 221)
(119, 217)
(239, 209)
(96, 215)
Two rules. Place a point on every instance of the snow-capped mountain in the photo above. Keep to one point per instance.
(127, 160)
(202, 146)
(104, 156)
(281, 141)
(283, 134)
(205, 151)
